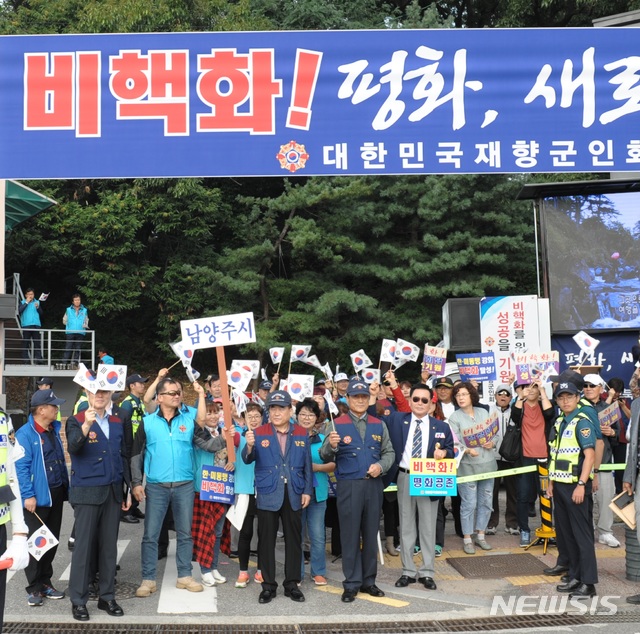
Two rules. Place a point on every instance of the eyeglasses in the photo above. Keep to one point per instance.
(254, 417)
(306, 415)
(174, 393)
(590, 385)
(420, 399)
(503, 394)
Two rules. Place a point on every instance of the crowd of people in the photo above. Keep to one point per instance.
(298, 469)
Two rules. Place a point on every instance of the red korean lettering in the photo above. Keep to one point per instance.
(240, 89)
(152, 86)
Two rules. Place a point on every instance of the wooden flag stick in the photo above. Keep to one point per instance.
(174, 365)
(226, 404)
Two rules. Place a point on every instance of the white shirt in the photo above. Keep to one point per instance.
(406, 454)
(447, 409)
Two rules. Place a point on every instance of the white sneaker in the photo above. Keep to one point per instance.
(208, 579)
(609, 540)
(218, 577)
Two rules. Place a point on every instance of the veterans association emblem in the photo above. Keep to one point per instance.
(265, 443)
(92, 435)
(292, 156)
(183, 428)
(346, 440)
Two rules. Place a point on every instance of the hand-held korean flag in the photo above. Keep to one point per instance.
(333, 408)
(313, 361)
(40, 542)
(239, 378)
(84, 378)
(299, 353)
(277, 354)
(586, 342)
(112, 377)
(388, 350)
(405, 351)
(250, 366)
(183, 352)
(370, 375)
(192, 374)
(326, 370)
(360, 361)
(240, 400)
(300, 386)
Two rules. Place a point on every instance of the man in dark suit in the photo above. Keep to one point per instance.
(631, 477)
(95, 441)
(416, 434)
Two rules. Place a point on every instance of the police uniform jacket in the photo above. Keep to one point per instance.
(273, 470)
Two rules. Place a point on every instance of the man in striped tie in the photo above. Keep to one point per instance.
(416, 434)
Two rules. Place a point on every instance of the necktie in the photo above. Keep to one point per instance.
(416, 448)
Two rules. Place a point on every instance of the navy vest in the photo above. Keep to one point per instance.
(355, 456)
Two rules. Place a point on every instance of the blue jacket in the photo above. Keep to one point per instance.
(354, 456)
(273, 470)
(29, 314)
(76, 323)
(399, 424)
(31, 468)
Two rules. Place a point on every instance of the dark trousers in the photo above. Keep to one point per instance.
(101, 522)
(359, 506)
(39, 572)
(440, 523)
(332, 520)
(268, 522)
(391, 515)
(574, 532)
(73, 347)
(527, 489)
(31, 334)
(246, 535)
(3, 573)
(510, 517)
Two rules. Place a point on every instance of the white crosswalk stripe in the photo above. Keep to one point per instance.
(122, 546)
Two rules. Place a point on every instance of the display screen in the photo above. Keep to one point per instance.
(592, 252)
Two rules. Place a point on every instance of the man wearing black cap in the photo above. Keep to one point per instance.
(134, 410)
(44, 485)
(571, 460)
(361, 447)
(284, 486)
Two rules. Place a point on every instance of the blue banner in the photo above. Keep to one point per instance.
(477, 366)
(319, 103)
(217, 485)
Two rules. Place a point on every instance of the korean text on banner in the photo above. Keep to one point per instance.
(482, 433)
(432, 477)
(480, 366)
(223, 330)
(609, 415)
(434, 360)
(217, 485)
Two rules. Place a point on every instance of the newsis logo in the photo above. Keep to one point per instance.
(551, 604)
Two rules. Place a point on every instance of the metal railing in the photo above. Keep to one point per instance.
(52, 348)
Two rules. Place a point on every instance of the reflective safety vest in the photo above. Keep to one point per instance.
(80, 401)
(5, 490)
(138, 412)
(564, 456)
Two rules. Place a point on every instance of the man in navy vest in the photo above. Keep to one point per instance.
(284, 485)
(361, 447)
(416, 434)
(95, 441)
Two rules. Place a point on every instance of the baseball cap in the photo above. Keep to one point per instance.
(279, 398)
(357, 387)
(45, 380)
(265, 385)
(45, 397)
(341, 376)
(594, 379)
(503, 388)
(444, 381)
(136, 378)
(569, 376)
(566, 388)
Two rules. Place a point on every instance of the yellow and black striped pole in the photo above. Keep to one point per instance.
(546, 531)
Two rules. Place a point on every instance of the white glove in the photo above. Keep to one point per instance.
(17, 551)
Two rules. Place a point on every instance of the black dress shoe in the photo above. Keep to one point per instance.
(584, 590)
(428, 583)
(110, 607)
(373, 590)
(266, 596)
(571, 585)
(404, 581)
(129, 519)
(349, 596)
(634, 599)
(294, 594)
(556, 571)
(80, 612)
(137, 513)
(565, 578)
(162, 554)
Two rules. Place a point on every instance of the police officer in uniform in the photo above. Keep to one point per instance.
(571, 461)
(361, 448)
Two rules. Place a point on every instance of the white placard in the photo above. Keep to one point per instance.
(221, 330)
